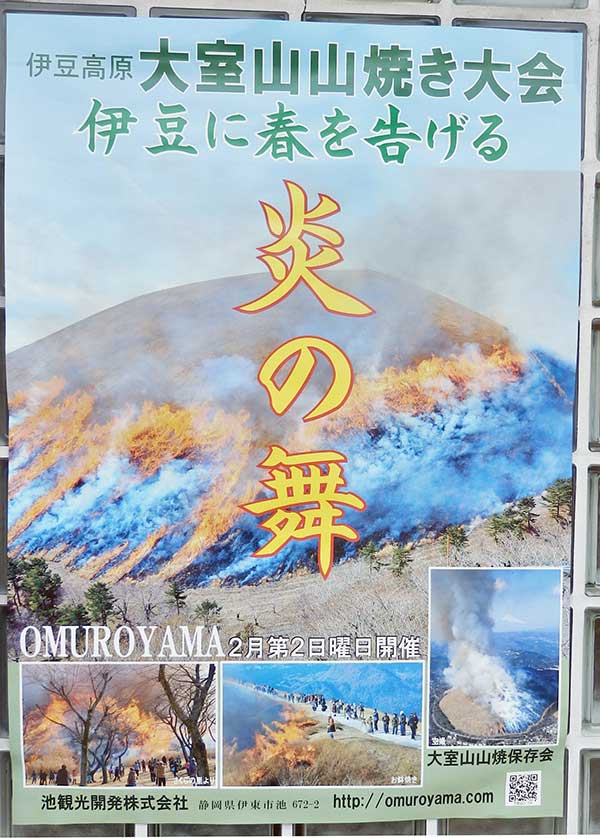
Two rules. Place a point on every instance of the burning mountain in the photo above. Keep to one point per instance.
(136, 434)
(488, 691)
(468, 626)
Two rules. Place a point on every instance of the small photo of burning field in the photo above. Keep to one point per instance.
(495, 651)
(119, 725)
(322, 724)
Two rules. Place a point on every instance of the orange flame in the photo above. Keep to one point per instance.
(220, 506)
(283, 747)
(158, 435)
(424, 387)
(58, 430)
(40, 734)
(44, 742)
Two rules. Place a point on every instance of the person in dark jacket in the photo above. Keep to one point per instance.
(402, 723)
(62, 776)
(413, 723)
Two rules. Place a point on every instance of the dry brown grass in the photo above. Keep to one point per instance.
(353, 601)
(351, 759)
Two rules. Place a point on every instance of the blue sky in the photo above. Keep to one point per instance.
(383, 683)
(522, 600)
(85, 232)
(526, 599)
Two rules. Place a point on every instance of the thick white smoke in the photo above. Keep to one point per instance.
(463, 620)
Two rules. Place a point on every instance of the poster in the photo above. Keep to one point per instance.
(289, 539)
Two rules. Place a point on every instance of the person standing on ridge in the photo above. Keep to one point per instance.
(402, 723)
(413, 723)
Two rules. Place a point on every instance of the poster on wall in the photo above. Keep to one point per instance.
(291, 335)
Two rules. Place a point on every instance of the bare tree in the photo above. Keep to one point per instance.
(189, 710)
(110, 739)
(122, 613)
(85, 712)
(149, 607)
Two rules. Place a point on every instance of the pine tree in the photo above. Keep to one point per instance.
(41, 589)
(100, 602)
(400, 559)
(525, 515)
(456, 537)
(558, 498)
(73, 614)
(513, 522)
(368, 552)
(176, 595)
(496, 525)
(15, 572)
(208, 612)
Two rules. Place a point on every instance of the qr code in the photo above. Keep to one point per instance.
(524, 788)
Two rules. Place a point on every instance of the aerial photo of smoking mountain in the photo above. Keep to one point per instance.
(494, 664)
(137, 435)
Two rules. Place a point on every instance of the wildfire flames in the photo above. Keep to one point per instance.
(422, 388)
(151, 490)
(40, 735)
(59, 435)
(282, 748)
(47, 743)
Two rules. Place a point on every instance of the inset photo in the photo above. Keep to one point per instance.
(494, 656)
(119, 725)
(322, 724)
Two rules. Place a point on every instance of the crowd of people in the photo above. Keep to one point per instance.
(396, 724)
(52, 777)
(158, 768)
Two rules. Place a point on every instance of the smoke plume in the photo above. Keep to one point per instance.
(462, 618)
